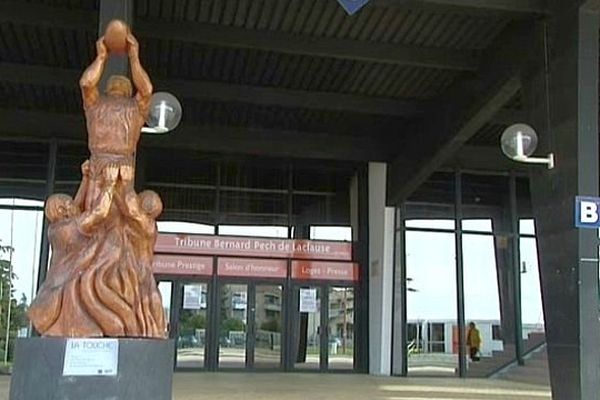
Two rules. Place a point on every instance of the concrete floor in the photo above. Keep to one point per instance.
(298, 386)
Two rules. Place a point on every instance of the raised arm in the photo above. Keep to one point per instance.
(79, 200)
(131, 203)
(141, 80)
(90, 219)
(91, 77)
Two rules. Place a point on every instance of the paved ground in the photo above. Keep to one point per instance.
(298, 386)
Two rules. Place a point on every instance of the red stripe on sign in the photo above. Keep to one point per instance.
(255, 268)
(182, 265)
(324, 270)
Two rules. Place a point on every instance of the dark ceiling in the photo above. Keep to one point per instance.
(284, 78)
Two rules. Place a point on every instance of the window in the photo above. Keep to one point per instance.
(496, 332)
(340, 233)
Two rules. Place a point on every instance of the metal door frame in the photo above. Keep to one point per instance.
(324, 334)
(176, 302)
(250, 321)
(295, 318)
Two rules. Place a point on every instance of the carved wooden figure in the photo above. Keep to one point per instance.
(100, 280)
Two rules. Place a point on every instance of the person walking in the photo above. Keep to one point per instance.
(473, 342)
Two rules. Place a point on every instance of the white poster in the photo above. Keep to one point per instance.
(239, 300)
(192, 297)
(91, 357)
(308, 300)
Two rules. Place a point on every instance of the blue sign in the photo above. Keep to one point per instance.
(586, 212)
(352, 6)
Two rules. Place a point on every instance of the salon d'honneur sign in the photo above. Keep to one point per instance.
(91, 357)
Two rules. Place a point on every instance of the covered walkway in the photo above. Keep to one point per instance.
(272, 386)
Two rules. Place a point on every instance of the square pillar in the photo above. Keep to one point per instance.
(562, 103)
(381, 271)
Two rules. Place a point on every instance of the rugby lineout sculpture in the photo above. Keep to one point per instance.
(100, 282)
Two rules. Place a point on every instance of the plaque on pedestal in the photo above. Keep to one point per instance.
(92, 369)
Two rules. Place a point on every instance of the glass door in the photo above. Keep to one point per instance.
(340, 323)
(323, 327)
(251, 323)
(309, 339)
(268, 322)
(233, 322)
(166, 292)
(192, 325)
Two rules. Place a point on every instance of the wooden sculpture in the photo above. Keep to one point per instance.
(100, 280)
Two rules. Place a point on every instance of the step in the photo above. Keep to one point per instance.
(527, 378)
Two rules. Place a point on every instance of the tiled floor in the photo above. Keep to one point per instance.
(278, 386)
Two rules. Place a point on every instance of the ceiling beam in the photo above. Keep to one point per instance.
(220, 35)
(291, 98)
(508, 116)
(283, 42)
(28, 125)
(108, 11)
(273, 143)
(22, 13)
(469, 105)
(484, 159)
(514, 8)
(517, 6)
(226, 92)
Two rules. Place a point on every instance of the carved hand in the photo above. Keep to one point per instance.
(85, 168)
(111, 173)
(133, 46)
(126, 173)
(101, 49)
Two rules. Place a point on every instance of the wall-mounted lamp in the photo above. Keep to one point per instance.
(519, 141)
(165, 113)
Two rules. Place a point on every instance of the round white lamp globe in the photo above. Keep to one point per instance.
(519, 141)
(165, 113)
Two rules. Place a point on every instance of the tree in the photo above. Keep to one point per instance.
(271, 325)
(232, 324)
(191, 321)
(18, 317)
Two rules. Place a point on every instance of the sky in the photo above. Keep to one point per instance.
(430, 262)
(24, 227)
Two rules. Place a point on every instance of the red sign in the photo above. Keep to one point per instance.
(255, 268)
(252, 247)
(323, 270)
(182, 265)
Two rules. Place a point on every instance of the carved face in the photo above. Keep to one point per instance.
(150, 203)
(60, 207)
(118, 86)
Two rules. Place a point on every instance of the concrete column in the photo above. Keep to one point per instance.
(562, 103)
(45, 244)
(504, 274)
(399, 356)
(381, 246)
(109, 10)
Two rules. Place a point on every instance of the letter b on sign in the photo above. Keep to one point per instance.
(586, 212)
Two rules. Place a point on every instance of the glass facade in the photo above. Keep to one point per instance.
(460, 268)
(470, 277)
(217, 322)
(431, 303)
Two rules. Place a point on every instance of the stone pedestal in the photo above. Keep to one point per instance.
(145, 372)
